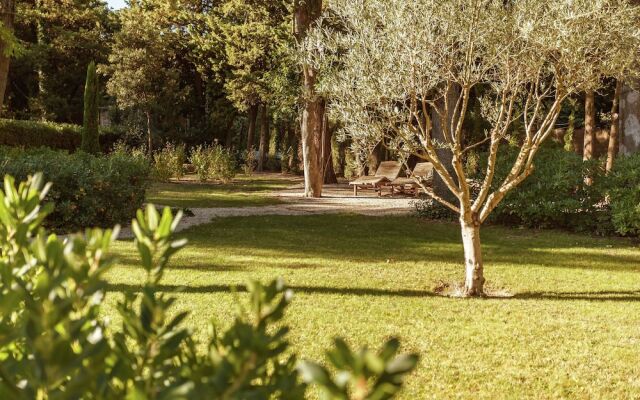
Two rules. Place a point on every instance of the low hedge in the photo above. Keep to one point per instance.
(87, 190)
(33, 134)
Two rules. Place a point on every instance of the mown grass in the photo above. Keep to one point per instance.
(571, 329)
(243, 191)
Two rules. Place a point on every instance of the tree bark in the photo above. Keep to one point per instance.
(444, 153)
(327, 154)
(589, 124)
(311, 129)
(228, 142)
(305, 13)
(474, 269)
(251, 132)
(263, 150)
(7, 13)
(614, 134)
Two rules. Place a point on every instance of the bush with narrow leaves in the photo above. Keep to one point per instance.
(55, 345)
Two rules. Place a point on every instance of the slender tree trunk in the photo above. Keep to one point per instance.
(7, 12)
(342, 156)
(474, 269)
(589, 124)
(42, 84)
(228, 142)
(327, 154)
(614, 134)
(589, 129)
(292, 148)
(251, 132)
(263, 150)
(149, 136)
(305, 13)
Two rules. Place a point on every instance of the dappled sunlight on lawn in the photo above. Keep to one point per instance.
(370, 278)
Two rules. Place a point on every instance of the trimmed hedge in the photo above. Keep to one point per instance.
(87, 190)
(33, 134)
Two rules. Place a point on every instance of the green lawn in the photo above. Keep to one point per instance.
(571, 329)
(242, 192)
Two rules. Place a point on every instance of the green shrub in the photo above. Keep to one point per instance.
(88, 190)
(55, 344)
(169, 162)
(554, 196)
(213, 162)
(32, 134)
(623, 188)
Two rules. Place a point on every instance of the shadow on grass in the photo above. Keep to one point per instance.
(622, 296)
(370, 239)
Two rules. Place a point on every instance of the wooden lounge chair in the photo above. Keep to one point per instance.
(422, 171)
(386, 173)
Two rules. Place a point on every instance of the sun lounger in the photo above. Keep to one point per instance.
(421, 172)
(386, 173)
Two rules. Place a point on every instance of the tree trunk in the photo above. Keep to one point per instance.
(327, 153)
(589, 124)
(149, 136)
(42, 85)
(306, 12)
(445, 155)
(589, 129)
(7, 13)
(311, 128)
(630, 119)
(474, 270)
(228, 142)
(251, 132)
(342, 156)
(614, 134)
(263, 150)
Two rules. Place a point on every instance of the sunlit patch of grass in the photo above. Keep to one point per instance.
(243, 191)
(570, 328)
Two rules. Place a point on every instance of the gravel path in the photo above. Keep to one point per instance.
(337, 199)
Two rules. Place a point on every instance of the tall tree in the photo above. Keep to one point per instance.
(7, 44)
(69, 33)
(306, 13)
(143, 74)
(399, 60)
(90, 132)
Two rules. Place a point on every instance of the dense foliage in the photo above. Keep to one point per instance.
(556, 195)
(53, 135)
(213, 162)
(168, 162)
(623, 189)
(88, 190)
(55, 345)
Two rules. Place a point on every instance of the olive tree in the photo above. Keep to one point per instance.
(404, 73)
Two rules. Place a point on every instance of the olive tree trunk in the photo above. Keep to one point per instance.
(474, 269)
